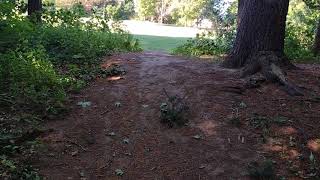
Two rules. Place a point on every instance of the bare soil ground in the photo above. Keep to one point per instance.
(121, 129)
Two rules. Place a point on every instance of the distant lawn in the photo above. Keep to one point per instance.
(159, 43)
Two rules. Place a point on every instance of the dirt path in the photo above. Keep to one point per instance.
(93, 142)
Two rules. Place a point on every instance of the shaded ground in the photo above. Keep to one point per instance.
(121, 129)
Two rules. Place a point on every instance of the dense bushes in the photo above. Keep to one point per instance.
(31, 80)
(39, 65)
(301, 28)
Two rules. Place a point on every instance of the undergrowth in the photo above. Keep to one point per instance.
(205, 45)
(175, 111)
(40, 64)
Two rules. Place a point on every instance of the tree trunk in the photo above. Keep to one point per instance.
(259, 44)
(261, 27)
(34, 9)
(316, 46)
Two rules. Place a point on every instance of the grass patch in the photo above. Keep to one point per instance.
(160, 43)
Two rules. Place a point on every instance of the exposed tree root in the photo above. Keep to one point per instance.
(270, 64)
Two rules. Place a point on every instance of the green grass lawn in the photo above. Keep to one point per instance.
(159, 43)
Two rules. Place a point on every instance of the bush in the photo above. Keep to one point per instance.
(31, 79)
(300, 31)
(204, 45)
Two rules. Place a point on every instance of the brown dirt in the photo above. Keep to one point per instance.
(79, 146)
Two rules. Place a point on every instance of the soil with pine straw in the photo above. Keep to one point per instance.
(121, 131)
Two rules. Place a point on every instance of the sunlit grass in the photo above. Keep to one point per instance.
(159, 43)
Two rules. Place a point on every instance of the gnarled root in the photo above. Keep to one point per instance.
(269, 64)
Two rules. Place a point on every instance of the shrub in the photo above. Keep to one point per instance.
(175, 111)
(205, 45)
(30, 78)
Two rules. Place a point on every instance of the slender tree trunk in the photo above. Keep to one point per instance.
(34, 9)
(316, 46)
(261, 27)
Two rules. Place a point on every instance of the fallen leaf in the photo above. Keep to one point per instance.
(117, 104)
(126, 141)
(145, 105)
(197, 136)
(243, 105)
(84, 104)
(119, 172)
(114, 78)
(74, 153)
(111, 134)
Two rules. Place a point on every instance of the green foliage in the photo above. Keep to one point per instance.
(175, 111)
(205, 46)
(217, 41)
(31, 79)
(12, 170)
(300, 32)
(120, 11)
(188, 11)
(147, 9)
(39, 65)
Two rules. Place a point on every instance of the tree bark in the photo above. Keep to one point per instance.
(34, 9)
(259, 44)
(261, 27)
(316, 46)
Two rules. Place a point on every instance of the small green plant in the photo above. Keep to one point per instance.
(262, 171)
(260, 122)
(174, 111)
(264, 123)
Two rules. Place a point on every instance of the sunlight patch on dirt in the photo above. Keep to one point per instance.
(287, 130)
(314, 145)
(208, 128)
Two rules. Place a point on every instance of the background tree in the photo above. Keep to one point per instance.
(300, 31)
(147, 9)
(34, 9)
(315, 4)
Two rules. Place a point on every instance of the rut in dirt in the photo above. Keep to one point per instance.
(120, 132)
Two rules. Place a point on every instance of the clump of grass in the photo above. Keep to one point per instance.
(235, 118)
(262, 171)
(264, 123)
(174, 111)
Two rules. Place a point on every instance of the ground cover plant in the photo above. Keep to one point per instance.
(40, 64)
